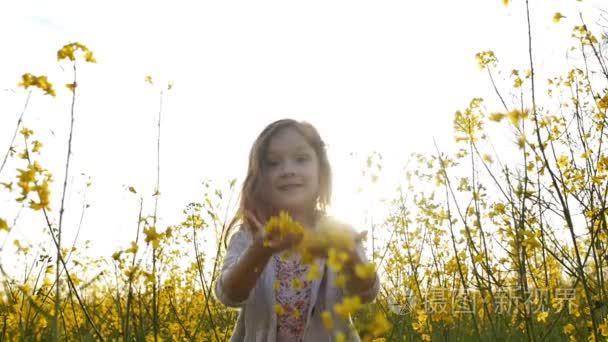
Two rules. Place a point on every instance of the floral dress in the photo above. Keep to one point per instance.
(292, 292)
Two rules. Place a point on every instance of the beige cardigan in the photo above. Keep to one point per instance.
(257, 319)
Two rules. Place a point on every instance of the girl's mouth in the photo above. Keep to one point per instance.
(288, 187)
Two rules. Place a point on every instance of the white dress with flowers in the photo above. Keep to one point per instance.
(292, 292)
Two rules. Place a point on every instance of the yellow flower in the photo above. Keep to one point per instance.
(276, 284)
(521, 141)
(26, 177)
(307, 258)
(152, 236)
(116, 255)
(296, 283)
(496, 117)
(517, 115)
(486, 58)
(365, 271)
(328, 321)
(478, 258)
(29, 80)
(603, 102)
(517, 82)
(296, 313)
(426, 337)
(26, 132)
(380, 325)
(36, 146)
(284, 224)
(148, 79)
(336, 259)
(487, 158)
(24, 155)
(341, 281)
(279, 310)
(44, 196)
(563, 161)
(88, 56)
(148, 276)
(132, 272)
(557, 17)
(340, 337)
(67, 52)
(21, 248)
(587, 154)
(71, 86)
(133, 249)
(569, 328)
(604, 328)
(542, 316)
(3, 224)
(75, 280)
(348, 306)
(314, 272)
(506, 2)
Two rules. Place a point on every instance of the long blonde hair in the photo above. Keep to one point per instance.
(254, 196)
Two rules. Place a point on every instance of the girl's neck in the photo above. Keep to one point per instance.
(305, 217)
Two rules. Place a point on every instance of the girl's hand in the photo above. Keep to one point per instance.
(271, 242)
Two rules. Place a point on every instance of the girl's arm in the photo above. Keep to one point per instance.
(238, 280)
(366, 288)
(246, 258)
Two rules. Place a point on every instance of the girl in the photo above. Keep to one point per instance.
(288, 171)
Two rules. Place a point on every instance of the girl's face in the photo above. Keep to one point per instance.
(292, 172)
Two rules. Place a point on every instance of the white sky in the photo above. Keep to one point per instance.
(381, 75)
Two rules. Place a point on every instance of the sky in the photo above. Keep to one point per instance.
(382, 76)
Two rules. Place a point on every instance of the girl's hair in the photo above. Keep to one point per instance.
(254, 194)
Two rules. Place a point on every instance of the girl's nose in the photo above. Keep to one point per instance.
(287, 168)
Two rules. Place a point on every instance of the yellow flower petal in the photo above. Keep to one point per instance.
(116, 255)
(348, 306)
(328, 321)
(542, 316)
(88, 56)
(496, 117)
(296, 313)
(341, 281)
(365, 271)
(71, 86)
(314, 272)
(3, 224)
(336, 259)
(569, 328)
(380, 325)
(297, 283)
(557, 17)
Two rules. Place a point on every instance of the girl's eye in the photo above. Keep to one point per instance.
(301, 159)
(272, 163)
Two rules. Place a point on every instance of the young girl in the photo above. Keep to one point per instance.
(288, 171)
